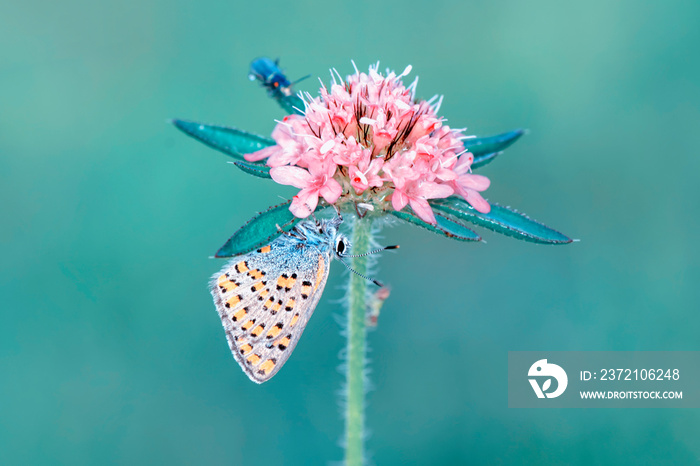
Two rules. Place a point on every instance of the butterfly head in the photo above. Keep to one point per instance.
(323, 232)
(342, 244)
(329, 229)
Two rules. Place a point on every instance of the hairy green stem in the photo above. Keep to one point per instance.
(290, 103)
(357, 345)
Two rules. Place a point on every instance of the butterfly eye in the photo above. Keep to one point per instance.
(340, 248)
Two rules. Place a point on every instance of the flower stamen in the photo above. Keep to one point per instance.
(366, 139)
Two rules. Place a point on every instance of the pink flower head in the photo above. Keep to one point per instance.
(318, 180)
(368, 140)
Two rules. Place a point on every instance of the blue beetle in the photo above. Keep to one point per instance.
(270, 75)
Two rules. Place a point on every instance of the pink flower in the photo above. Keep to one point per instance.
(352, 153)
(365, 175)
(416, 193)
(366, 139)
(468, 185)
(318, 180)
(289, 149)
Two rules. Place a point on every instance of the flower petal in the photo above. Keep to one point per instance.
(331, 191)
(294, 176)
(475, 182)
(423, 210)
(478, 202)
(398, 200)
(304, 203)
(262, 153)
(429, 190)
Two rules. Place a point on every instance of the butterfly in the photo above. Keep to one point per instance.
(266, 297)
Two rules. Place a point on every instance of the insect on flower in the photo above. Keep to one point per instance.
(266, 297)
(271, 76)
(365, 145)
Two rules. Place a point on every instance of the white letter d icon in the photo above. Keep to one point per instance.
(542, 369)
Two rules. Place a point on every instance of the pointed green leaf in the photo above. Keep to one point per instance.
(490, 145)
(291, 104)
(482, 160)
(256, 169)
(259, 231)
(501, 220)
(230, 141)
(445, 226)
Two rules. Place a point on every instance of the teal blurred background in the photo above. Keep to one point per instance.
(111, 351)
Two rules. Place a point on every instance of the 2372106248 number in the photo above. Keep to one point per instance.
(639, 374)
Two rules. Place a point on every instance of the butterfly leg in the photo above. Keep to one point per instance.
(290, 234)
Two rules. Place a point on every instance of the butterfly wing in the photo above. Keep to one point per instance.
(265, 299)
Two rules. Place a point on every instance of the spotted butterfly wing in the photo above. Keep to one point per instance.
(265, 299)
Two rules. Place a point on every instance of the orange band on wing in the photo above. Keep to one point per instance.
(226, 284)
(239, 314)
(256, 274)
(294, 320)
(321, 270)
(245, 349)
(284, 342)
(266, 367)
(274, 331)
(242, 267)
(257, 286)
(305, 289)
(257, 330)
(233, 301)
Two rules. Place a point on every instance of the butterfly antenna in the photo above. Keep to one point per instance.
(385, 248)
(376, 282)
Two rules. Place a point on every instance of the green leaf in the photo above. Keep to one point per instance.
(230, 141)
(445, 226)
(259, 231)
(291, 104)
(501, 220)
(482, 160)
(492, 144)
(255, 169)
